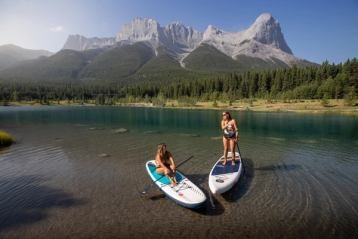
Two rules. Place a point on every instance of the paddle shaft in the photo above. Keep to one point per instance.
(181, 163)
(238, 148)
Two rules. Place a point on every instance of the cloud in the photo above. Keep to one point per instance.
(58, 28)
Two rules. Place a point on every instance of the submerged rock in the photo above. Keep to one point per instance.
(95, 128)
(103, 155)
(119, 131)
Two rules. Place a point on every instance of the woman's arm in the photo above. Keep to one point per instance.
(172, 162)
(223, 125)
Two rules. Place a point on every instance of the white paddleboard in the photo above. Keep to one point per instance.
(185, 193)
(223, 178)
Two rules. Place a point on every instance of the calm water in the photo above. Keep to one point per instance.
(300, 178)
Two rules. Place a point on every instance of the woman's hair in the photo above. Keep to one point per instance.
(228, 115)
(160, 150)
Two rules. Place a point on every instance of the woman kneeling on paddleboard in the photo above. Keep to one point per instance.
(165, 163)
(231, 135)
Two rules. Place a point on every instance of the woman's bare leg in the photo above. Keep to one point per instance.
(161, 171)
(225, 143)
(173, 174)
(232, 147)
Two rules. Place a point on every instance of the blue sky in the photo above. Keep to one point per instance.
(315, 30)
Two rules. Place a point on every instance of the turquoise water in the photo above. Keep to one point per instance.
(73, 174)
(204, 122)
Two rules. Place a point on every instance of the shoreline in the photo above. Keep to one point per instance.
(297, 106)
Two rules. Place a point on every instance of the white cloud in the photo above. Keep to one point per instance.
(56, 28)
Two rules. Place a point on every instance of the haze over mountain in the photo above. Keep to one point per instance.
(143, 50)
(11, 54)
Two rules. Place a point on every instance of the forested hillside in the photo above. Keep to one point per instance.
(329, 81)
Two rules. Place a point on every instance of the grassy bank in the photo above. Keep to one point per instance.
(308, 106)
(5, 139)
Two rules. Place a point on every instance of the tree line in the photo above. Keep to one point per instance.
(325, 81)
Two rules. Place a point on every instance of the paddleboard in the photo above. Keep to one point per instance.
(223, 178)
(185, 193)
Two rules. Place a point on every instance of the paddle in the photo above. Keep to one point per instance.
(237, 144)
(181, 163)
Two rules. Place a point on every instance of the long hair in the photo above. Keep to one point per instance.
(228, 115)
(160, 150)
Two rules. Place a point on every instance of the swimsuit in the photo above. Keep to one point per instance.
(229, 133)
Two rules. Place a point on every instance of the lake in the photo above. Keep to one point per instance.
(73, 173)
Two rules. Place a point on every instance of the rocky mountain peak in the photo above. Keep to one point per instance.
(140, 29)
(266, 30)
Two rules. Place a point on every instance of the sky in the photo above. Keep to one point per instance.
(315, 30)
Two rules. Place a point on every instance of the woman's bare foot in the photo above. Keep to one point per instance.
(224, 162)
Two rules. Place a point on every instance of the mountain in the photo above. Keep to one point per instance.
(80, 43)
(207, 58)
(144, 50)
(64, 65)
(263, 40)
(118, 63)
(175, 38)
(11, 54)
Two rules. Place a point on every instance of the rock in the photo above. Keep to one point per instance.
(103, 155)
(95, 128)
(120, 131)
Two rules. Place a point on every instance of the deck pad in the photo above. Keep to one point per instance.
(227, 168)
(223, 177)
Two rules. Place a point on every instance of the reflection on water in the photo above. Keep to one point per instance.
(300, 174)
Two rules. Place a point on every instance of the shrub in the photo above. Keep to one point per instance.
(5, 139)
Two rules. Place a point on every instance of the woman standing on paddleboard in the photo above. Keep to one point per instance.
(165, 163)
(231, 135)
